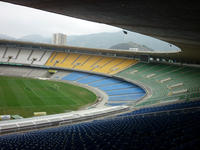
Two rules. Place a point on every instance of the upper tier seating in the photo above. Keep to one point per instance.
(101, 64)
(119, 92)
(93, 63)
(24, 56)
(176, 129)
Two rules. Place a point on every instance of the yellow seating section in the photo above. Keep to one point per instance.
(68, 63)
(59, 59)
(81, 61)
(100, 64)
(50, 61)
(110, 65)
(127, 63)
(90, 63)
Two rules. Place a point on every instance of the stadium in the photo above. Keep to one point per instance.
(64, 97)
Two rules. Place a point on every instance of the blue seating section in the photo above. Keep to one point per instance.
(177, 130)
(91, 78)
(127, 97)
(105, 82)
(119, 91)
(125, 91)
(165, 108)
(115, 104)
(74, 76)
(117, 86)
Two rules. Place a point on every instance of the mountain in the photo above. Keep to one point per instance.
(99, 40)
(35, 38)
(3, 36)
(105, 40)
(131, 45)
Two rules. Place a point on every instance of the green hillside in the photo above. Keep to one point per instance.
(23, 96)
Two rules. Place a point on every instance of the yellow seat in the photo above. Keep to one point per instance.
(50, 61)
(101, 64)
(68, 63)
(81, 61)
(125, 64)
(91, 61)
(110, 65)
(59, 59)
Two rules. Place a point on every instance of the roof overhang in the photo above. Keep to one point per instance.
(172, 21)
(53, 47)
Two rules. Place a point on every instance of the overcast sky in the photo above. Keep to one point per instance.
(18, 21)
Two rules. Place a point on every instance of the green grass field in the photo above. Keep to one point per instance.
(23, 96)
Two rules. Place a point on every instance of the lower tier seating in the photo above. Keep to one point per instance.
(172, 130)
(118, 91)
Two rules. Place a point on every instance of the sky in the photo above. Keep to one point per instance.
(17, 21)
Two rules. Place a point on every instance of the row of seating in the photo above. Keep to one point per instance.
(169, 107)
(151, 75)
(119, 92)
(178, 129)
(101, 64)
(24, 56)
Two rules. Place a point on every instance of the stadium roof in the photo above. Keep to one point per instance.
(31, 45)
(177, 22)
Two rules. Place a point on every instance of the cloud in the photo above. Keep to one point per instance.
(18, 21)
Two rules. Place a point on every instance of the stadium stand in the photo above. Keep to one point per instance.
(167, 118)
(151, 120)
(173, 128)
(93, 63)
(37, 122)
(119, 91)
(41, 58)
(74, 76)
(24, 56)
(22, 71)
(169, 107)
(59, 75)
(165, 75)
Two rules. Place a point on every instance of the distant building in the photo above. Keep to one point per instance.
(134, 49)
(59, 39)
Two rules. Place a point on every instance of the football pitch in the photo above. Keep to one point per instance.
(23, 96)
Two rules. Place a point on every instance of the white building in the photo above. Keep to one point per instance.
(134, 49)
(59, 39)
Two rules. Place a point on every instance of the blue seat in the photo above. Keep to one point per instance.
(122, 85)
(74, 76)
(125, 91)
(115, 104)
(91, 78)
(167, 130)
(105, 82)
(126, 97)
